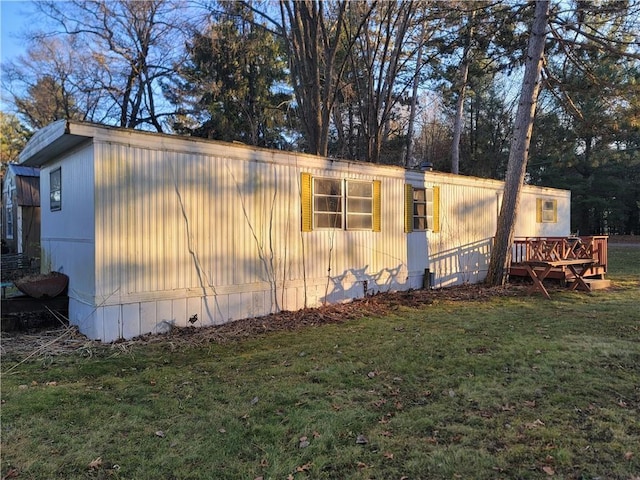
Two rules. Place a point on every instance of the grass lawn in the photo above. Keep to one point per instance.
(506, 387)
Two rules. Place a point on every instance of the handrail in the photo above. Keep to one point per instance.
(549, 249)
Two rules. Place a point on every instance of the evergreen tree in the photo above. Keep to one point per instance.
(233, 86)
(587, 139)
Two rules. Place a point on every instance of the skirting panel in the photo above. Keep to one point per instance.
(113, 322)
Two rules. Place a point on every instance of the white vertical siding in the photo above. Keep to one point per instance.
(67, 235)
(459, 252)
(185, 227)
(526, 225)
(199, 225)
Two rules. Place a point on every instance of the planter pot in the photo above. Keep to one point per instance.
(47, 285)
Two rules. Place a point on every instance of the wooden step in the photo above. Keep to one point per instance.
(595, 283)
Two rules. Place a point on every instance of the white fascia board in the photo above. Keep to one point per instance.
(50, 142)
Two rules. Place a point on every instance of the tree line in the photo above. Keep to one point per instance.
(402, 82)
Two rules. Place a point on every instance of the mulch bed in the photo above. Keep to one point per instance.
(66, 339)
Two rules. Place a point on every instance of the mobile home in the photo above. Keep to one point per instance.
(157, 230)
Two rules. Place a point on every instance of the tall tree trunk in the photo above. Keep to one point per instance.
(459, 120)
(458, 123)
(518, 153)
(414, 102)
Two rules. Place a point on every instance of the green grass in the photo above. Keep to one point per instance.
(512, 387)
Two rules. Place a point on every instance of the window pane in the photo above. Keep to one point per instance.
(420, 209)
(328, 220)
(325, 186)
(360, 189)
(359, 222)
(419, 223)
(55, 180)
(327, 204)
(55, 189)
(359, 205)
(419, 194)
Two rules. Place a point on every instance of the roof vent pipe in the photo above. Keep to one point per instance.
(426, 166)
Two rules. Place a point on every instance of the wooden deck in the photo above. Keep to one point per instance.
(559, 250)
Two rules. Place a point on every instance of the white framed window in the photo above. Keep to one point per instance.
(546, 210)
(9, 219)
(55, 189)
(359, 205)
(422, 209)
(9, 189)
(327, 203)
(335, 203)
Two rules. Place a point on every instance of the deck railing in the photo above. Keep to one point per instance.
(548, 249)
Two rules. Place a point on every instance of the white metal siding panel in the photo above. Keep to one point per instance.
(67, 239)
(459, 252)
(172, 221)
(526, 225)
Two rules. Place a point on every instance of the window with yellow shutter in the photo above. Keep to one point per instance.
(546, 210)
(340, 204)
(422, 209)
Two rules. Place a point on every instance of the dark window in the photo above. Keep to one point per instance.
(55, 189)
(423, 208)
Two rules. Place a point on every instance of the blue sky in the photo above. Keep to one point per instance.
(13, 21)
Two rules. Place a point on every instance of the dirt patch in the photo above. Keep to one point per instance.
(65, 339)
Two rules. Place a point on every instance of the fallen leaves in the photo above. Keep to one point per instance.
(304, 468)
(537, 423)
(300, 469)
(95, 464)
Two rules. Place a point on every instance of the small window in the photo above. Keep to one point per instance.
(55, 190)
(327, 203)
(547, 211)
(421, 209)
(9, 218)
(359, 205)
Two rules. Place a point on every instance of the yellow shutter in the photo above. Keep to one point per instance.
(306, 200)
(377, 205)
(555, 211)
(408, 209)
(436, 209)
(538, 210)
